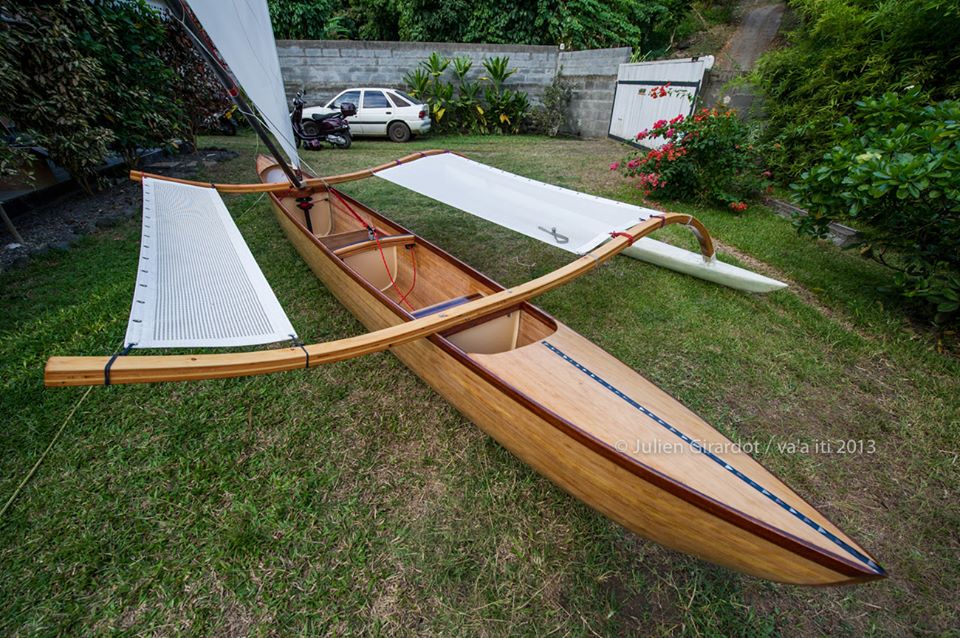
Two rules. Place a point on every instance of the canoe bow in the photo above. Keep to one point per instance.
(74, 371)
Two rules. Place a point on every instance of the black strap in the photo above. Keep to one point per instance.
(122, 353)
(299, 344)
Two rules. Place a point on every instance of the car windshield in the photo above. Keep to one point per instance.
(353, 97)
(412, 100)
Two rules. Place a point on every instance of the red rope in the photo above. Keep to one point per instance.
(393, 281)
(630, 238)
(413, 259)
(350, 208)
(383, 257)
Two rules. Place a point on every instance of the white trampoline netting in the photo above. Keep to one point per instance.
(198, 285)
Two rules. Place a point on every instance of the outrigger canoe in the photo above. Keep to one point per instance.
(575, 414)
(567, 408)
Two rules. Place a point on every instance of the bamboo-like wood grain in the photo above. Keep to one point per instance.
(565, 430)
(616, 492)
(372, 244)
(72, 371)
(538, 438)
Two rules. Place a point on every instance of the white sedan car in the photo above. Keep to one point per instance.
(380, 112)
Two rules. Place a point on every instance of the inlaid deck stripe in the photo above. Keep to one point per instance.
(719, 461)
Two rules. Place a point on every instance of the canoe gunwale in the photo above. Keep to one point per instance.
(854, 572)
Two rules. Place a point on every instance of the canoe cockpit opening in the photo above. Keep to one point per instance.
(423, 282)
(504, 332)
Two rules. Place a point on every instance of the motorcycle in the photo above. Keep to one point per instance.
(322, 127)
(224, 122)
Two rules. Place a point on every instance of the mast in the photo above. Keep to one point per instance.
(206, 48)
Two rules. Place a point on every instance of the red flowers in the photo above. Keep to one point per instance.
(677, 119)
(659, 124)
(642, 135)
(737, 207)
(615, 166)
(660, 91)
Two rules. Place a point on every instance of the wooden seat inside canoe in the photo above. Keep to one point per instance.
(444, 305)
(425, 280)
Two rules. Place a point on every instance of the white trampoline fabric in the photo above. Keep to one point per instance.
(197, 283)
(243, 35)
(545, 212)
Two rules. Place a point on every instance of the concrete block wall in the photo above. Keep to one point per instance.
(323, 68)
(593, 76)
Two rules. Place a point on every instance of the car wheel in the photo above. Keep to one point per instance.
(399, 132)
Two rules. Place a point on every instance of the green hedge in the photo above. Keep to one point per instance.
(847, 50)
(897, 172)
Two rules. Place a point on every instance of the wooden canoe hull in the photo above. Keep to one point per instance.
(642, 497)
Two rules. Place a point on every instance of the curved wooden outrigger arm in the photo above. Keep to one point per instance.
(275, 187)
(71, 371)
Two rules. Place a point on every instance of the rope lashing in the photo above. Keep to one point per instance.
(121, 353)
(299, 344)
(630, 238)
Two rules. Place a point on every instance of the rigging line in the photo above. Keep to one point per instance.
(413, 261)
(383, 258)
(267, 123)
(56, 436)
(376, 236)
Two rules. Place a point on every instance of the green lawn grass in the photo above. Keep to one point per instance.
(351, 498)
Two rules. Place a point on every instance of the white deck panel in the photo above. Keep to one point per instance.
(198, 285)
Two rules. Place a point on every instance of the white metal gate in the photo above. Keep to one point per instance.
(634, 109)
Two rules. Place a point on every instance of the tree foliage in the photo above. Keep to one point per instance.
(844, 51)
(84, 78)
(896, 171)
(578, 24)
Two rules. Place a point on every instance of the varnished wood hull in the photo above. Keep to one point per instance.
(576, 415)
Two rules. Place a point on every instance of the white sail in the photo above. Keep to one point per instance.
(561, 217)
(242, 33)
(197, 283)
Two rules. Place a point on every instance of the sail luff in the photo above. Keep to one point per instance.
(243, 36)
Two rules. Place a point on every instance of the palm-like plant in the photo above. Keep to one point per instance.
(418, 81)
(498, 69)
(462, 66)
(435, 65)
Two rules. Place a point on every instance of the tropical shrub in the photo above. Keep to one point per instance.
(197, 90)
(897, 173)
(84, 78)
(549, 118)
(847, 50)
(480, 106)
(711, 157)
